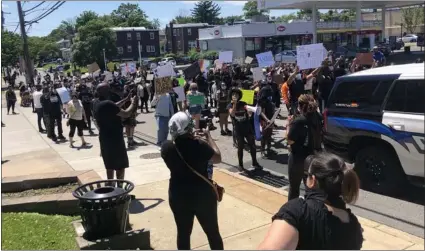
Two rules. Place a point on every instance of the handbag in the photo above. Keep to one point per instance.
(218, 190)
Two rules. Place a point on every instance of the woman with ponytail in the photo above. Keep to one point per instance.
(321, 220)
(303, 138)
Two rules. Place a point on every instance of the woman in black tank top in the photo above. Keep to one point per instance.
(320, 220)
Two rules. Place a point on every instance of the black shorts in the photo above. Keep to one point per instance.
(131, 121)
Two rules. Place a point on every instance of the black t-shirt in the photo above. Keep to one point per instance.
(197, 153)
(51, 104)
(325, 84)
(299, 132)
(338, 72)
(105, 114)
(296, 89)
(241, 117)
(318, 228)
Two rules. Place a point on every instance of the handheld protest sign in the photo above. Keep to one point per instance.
(93, 67)
(163, 85)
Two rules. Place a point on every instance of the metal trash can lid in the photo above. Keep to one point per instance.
(103, 192)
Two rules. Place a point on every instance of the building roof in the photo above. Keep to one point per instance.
(188, 25)
(131, 29)
(305, 4)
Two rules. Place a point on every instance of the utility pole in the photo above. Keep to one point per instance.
(29, 71)
(140, 56)
(104, 59)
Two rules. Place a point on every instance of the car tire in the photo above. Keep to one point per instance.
(392, 178)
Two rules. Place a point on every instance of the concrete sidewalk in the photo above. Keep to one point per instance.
(244, 214)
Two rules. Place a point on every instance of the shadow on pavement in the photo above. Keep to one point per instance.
(137, 207)
(267, 178)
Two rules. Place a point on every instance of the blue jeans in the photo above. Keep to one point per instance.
(162, 133)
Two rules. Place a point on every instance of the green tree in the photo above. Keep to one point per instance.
(286, 18)
(250, 10)
(130, 15)
(347, 15)
(92, 38)
(231, 19)
(70, 27)
(331, 15)
(306, 14)
(11, 48)
(182, 20)
(84, 18)
(206, 12)
(412, 17)
(156, 24)
(57, 34)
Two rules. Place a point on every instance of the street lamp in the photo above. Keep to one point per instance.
(104, 58)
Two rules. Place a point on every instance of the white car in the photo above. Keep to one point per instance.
(165, 61)
(286, 57)
(409, 38)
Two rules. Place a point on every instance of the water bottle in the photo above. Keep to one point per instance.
(210, 169)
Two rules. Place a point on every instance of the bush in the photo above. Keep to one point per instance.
(170, 55)
(194, 55)
(210, 55)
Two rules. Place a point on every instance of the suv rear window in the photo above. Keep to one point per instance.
(365, 95)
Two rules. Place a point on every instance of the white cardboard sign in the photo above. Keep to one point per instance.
(265, 59)
(226, 56)
(164, 71)
(248, 60)
(310, 56)
(257, 73)
(180, 92)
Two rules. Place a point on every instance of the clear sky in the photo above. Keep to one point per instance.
(163, 10)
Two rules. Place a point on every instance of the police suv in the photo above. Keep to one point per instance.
(375, 118)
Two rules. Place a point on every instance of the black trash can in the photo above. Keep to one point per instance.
(406, 49)
(104, 207)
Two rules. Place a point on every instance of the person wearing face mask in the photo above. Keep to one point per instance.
(296, 89)
(243, 129)
(325, 81)
(223, 101)
(267, 109)
(77, 119)
(86, 98)
(52, 107)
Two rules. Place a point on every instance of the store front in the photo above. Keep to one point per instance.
(334, 39)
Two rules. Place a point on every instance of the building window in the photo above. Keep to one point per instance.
(120, 50)
(150, 48)
(129, 36)
(189, 31)
(152, 35)
(179, 45)
(174, 32)
(129, 48)
(138, 36)
(191, 44)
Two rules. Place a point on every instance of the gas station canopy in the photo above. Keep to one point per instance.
(305, 4)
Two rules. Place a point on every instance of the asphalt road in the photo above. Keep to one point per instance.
(406, 214)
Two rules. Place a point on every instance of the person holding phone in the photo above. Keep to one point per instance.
(189, 194)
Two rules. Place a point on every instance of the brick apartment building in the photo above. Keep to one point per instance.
(181, 38)
(128, 39)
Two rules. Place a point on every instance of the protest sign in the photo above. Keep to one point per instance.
(93, 67)
(204, 65)
(108, 76)
(164, 71)
(257, 73)
(278, 78)
(248, 60)
(310, 56)
(63, 94)
(180, 92)
(181, 81)
(196, 99)
(265, 59)
(238, 61)
(218, 64)
(273, 119)
(192, 71)
(163, 85)
(365, 58)
(149, 77)
(248, 96)
(226, 56)
(110, 66)
(123, 68)
(132, 67)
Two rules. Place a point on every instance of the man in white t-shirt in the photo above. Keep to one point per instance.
(38, 108)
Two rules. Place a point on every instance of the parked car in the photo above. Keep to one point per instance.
(165, 61)
(409, 38)
(184, 60)
(286, 57)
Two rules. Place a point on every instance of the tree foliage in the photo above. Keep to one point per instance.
(206, 12)
(84, 18)
(231, 19)
(286, 18)
(182, 20)
(250, 10)
(130, 15)
(412, 17)
(11, 48)
(92, 38)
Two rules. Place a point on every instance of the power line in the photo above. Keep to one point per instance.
(54, 7)
(16, 28)
(34, 6)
